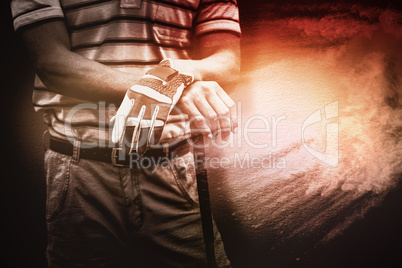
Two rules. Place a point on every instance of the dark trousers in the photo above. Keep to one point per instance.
(101, 215)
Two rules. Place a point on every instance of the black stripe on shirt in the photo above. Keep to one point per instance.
(176, 5)
(203, 5)
(85, 4)
(44, 89)
(39, 22)
(124, 18)
(212, 19)
(97, 2)
(32, 10)
(126, 41)
(220, 31)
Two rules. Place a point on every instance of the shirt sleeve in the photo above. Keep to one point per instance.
(27, 12)
(217, 16)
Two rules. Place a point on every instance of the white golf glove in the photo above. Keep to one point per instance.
(146, 106)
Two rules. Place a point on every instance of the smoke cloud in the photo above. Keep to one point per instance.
(359, 21)
(294, 65)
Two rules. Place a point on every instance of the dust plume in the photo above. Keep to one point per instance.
(348, 56)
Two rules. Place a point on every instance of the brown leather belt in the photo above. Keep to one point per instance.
(105, 154)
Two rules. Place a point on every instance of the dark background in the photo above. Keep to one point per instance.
(375, 241)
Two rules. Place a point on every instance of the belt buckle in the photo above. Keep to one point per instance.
(114, 155)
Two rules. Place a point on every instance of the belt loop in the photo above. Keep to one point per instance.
(46, 141)
(166, 148)
(76, 151)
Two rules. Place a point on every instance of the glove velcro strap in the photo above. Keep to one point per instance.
(164, 73)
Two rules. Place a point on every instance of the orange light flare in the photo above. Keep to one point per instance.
(330, 85)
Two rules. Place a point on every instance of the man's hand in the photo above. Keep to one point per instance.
(209, 108)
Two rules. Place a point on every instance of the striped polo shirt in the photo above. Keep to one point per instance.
(129, 35)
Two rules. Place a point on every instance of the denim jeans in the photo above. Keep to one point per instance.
(101, 215)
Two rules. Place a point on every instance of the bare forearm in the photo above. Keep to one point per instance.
(69, 73)
(222, 67)
(79, 77)
(82, 78)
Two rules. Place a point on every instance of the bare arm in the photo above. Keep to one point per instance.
(71, 74)
(217, 57)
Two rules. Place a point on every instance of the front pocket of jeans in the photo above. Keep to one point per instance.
(184, 173)
(57, 182)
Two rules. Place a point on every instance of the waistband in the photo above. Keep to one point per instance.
(114, 156)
